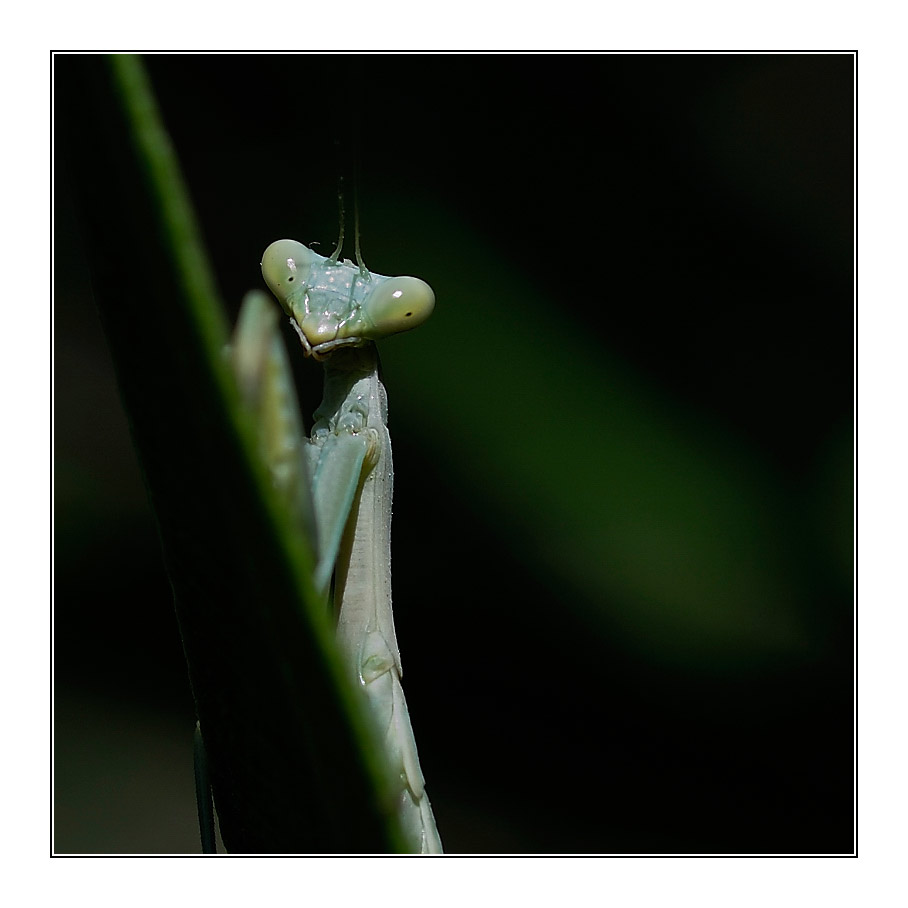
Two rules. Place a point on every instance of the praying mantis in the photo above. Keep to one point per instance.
(339, 480)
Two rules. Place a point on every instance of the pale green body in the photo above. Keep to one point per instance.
(340, 479)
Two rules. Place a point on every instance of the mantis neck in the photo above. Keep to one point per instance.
(356, 398)
(349, 372)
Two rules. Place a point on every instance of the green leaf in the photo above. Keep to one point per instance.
(293, 763)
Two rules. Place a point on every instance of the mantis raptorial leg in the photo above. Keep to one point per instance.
(339, 480)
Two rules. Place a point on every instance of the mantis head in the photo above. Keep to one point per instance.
(337, 303)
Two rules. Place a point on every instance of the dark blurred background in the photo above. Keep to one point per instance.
(623, 443)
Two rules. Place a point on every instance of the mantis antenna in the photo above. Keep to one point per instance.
(335, 256)
(363, 270)
(340, 218)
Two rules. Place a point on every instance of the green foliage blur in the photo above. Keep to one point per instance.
(623, 443)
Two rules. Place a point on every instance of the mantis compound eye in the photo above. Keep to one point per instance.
(285, 265)
(398, 304)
